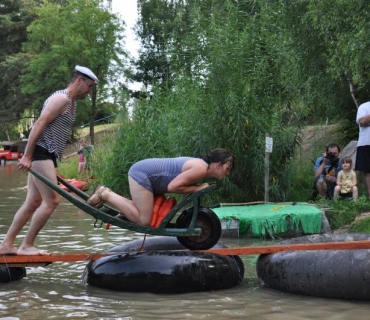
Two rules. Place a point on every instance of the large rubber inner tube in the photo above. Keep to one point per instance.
(341, 274)
(8, 274)
(158, 270)
(161, 243)
(163, 272)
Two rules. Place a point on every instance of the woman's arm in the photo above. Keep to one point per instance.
(185, 182)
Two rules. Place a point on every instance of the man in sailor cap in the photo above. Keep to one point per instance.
(46, 143)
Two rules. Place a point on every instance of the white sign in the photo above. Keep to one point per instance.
(269, 143)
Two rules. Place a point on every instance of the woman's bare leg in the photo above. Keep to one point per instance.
(138, 210)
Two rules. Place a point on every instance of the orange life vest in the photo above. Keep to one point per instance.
(162, 206)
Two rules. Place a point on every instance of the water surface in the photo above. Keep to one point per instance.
(57, 292)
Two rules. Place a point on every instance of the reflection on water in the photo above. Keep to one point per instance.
(56, 291)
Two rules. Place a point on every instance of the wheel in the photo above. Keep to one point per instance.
(210, 224)
(2, 161)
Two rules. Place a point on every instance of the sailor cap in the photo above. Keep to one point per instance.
(87, 72)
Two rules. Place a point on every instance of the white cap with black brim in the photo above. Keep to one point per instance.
(87, 72)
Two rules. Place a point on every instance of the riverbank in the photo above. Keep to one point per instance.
(100, 132)
(342, 215)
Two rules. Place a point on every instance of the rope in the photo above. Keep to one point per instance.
(7, 268)
(240, 280)
(142, 244)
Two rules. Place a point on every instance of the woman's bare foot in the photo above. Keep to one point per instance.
(32, 251)
(8, 250)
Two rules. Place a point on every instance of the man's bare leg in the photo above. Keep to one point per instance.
(321, 187)
(50, 200)
(21, 217)
(367, 180)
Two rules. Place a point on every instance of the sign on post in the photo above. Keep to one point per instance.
(269, 144)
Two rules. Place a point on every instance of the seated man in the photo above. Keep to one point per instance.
(326, 170)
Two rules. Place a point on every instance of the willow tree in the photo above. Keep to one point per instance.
(343, 27)
(225, 89)
(225, 73)
(81, 32)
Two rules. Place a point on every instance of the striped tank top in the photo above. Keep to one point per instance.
(155, 174)
(56, 133)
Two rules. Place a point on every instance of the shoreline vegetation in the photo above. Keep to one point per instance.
(343, 216)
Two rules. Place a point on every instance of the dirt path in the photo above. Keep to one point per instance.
(315, 137)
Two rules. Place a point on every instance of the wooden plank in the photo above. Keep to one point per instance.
(71, 257)
(27, 264)
(54, 257)
(348, 245)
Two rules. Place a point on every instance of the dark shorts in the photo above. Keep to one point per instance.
(363, 159)
(41, 153)
(346, 195)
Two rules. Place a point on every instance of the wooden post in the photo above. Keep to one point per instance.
(268, 150)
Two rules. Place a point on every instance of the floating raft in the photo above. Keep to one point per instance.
(13, 267)
(263, 220)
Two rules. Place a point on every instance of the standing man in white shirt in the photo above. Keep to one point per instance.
(363, 144)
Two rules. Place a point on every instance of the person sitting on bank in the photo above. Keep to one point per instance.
(157, 176)
(346, 181)
(326, 170)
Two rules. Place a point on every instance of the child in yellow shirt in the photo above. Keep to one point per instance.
(346, 181)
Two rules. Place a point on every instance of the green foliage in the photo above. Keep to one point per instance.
(61, 35)
(222, 74)
(343, 26)
(344, 212)
(15, 16)
(68, 168)
(225, 94)
(361, 226)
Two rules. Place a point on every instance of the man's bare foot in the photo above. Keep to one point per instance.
(8, 250)
(32, 251)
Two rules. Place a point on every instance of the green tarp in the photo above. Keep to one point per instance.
(272, 217)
